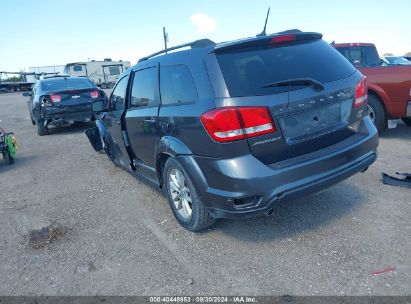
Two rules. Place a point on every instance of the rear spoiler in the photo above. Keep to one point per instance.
(279, 38)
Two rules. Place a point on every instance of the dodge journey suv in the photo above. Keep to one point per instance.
(231, 129)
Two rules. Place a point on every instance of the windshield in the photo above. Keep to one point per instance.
(397, 60)
(61, 84)
(248, 71)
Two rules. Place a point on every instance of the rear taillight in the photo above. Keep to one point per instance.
(234, 123)
(94, 94)
(256, 121)
(223, 124)
(360, 96)
(55, 98)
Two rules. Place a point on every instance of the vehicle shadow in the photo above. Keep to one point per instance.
(400, 132)
(76, 128)
(296, 217)
(20, 161)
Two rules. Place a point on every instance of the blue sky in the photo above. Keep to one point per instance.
(53, 32)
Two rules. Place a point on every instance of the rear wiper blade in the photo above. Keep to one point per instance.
(298, 81)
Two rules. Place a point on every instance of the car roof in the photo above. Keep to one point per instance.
(199, 48)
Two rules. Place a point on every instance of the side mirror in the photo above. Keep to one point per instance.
(99, 106)
(27, 94)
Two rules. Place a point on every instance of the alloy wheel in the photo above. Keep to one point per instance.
(180, 193)
(371, 113)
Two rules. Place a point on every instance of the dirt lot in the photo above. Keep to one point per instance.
(112, 234)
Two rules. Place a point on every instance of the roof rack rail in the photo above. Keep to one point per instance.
(195, 44)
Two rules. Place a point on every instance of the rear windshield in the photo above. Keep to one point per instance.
(61, 84)
(246, 71)
(360, 56)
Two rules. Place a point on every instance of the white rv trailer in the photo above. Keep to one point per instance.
(103, 73)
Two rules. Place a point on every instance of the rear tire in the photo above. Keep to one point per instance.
(103, 85)
(7, 157)
(407, 121)
(377, 113)
(198, 218)
(41, 129)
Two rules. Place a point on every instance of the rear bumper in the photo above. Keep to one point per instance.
(56, 116)
(244, 186)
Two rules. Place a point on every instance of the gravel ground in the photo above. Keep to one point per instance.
(113, 234)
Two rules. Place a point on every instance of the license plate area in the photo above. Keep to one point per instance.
(306, 125)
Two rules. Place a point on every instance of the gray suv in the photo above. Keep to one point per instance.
(231, 129)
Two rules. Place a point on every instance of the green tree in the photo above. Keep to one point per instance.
(12, 79)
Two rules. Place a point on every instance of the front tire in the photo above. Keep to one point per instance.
(188, 209)
(41, 129)
(407, 121)
(377, 113)
(31, 115)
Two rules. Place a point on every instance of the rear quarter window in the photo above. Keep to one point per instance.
(246, 70)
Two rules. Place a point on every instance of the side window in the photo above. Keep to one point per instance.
(77, 68)
(143, 92)
(176, 85)
(119, 95)
(114, 70)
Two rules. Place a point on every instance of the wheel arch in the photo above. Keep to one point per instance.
(167, 147)
(379, 93)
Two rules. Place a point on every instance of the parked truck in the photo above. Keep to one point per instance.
(8, 86)
(103, 73)
(389, 87)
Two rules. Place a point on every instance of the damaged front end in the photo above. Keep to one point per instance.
(95, 136)
(405, 181)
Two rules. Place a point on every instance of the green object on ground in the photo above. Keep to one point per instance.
(9, 143)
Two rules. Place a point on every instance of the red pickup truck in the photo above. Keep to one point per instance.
(389, 87)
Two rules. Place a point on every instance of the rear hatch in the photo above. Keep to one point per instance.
(306, 85)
